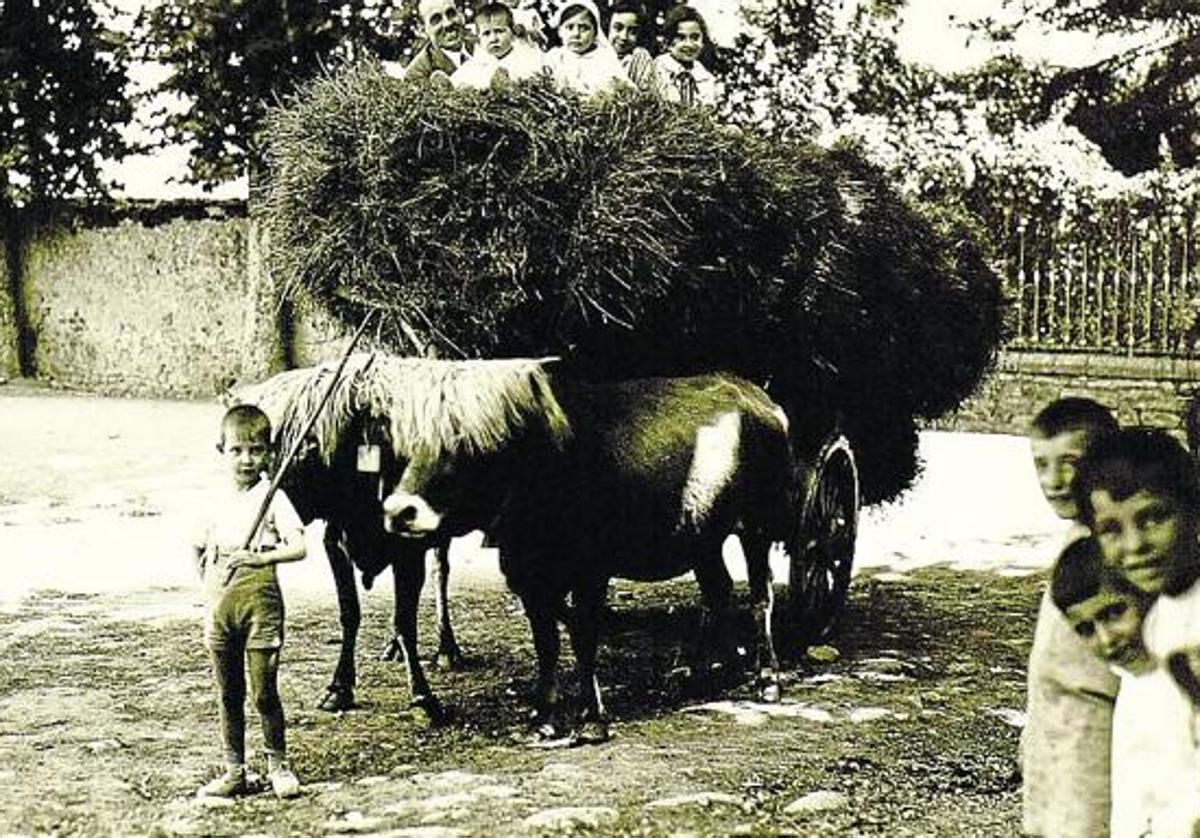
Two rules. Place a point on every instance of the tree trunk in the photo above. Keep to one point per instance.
(17, 351)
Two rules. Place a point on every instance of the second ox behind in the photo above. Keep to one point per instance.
(580, 482)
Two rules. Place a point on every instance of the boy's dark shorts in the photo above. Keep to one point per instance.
(249, 610)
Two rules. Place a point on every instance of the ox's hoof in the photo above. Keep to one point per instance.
(337, 700)
(593, 732)
(769, 689)
(449, 659)
(431, 709)
(698, 681)
(392, 651)
(547, 730)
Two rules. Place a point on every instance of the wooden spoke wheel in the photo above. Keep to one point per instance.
(824, 556)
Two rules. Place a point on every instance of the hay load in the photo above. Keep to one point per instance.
(631, 237)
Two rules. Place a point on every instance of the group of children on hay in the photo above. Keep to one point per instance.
(584, 51)
(1110, 744)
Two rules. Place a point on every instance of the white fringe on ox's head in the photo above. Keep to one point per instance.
(431, 407)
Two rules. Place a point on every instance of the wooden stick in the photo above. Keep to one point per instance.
(312, 420)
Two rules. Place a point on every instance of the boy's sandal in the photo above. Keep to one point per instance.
(230, 784)
(284, 783)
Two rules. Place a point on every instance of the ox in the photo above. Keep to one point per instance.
(338, 478)
(579, 482)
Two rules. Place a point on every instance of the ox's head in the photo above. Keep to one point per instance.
(494, 425)
(431, 486)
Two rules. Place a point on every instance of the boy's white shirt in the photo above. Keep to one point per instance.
(1155, 762)
(668, 67)
(1173, 624)
(1155, 753)
(229, 513)
(523, 61)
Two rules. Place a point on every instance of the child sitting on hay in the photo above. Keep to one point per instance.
(243, 626)
(500, 55)
(584, 61)
(683, 78)
(626, 21)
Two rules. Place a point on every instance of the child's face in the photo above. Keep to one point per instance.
(496, 36)
(623, 32)
(1142, 535)
(578, 32)
(688, 42)
(1054, 459)
(247, 452)
(1111, 624)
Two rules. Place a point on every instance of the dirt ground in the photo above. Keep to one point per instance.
(907, 726)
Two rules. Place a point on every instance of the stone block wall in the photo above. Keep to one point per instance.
(187, 307)
(1141, 390)
(165, 310)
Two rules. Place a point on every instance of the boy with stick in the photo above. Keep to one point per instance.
(243, 626)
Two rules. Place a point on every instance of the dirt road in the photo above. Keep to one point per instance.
(107, 717)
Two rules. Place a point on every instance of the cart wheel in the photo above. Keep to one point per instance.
(820, 568)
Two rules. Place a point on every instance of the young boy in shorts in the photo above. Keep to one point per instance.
(243, 626)
(1070, 692)
(1137, 492)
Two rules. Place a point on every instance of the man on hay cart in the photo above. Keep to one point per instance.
(633, 241)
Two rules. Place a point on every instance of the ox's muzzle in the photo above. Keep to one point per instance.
(409, 515)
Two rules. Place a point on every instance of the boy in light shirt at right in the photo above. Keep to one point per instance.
(1070, 692)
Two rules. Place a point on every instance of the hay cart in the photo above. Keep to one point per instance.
(639, 239)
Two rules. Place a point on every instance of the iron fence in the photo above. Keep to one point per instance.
(1123, 281)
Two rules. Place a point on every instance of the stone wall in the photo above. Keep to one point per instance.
(184, 308)
(165, 310)
(1141, 390)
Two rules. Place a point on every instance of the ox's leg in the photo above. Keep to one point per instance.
(714, 651)
(340, 693)
(408, 576)
(762, 596)
(542, 612)
(584, 627)
(449, 655)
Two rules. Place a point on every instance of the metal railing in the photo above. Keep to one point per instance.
(1122, 282)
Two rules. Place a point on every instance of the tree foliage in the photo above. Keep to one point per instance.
(1138, 103)
(62, 100)
(229, 60)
